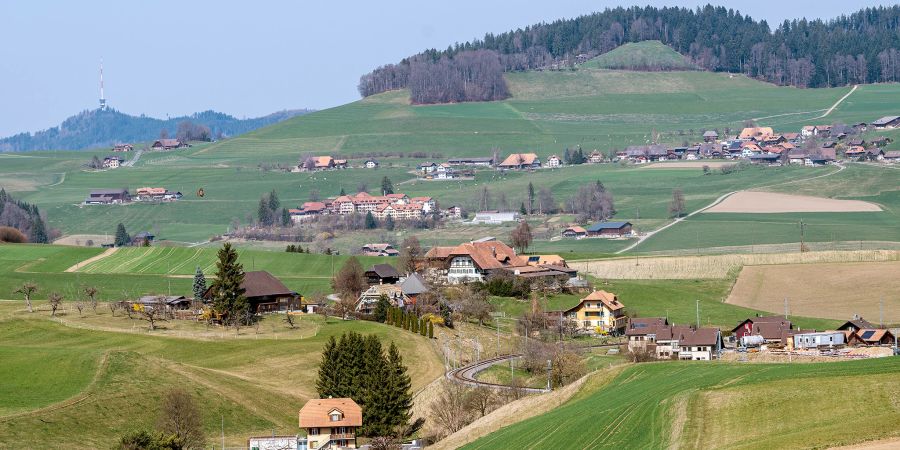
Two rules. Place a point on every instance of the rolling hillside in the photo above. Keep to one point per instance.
(644, 55)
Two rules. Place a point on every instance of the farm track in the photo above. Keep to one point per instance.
(92, 259)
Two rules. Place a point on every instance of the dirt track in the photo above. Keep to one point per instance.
(773, 202)
(108, 252)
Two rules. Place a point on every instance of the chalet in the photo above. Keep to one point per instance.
(609, 229)
(644, 153)
(771, 328)
(428, 167)
(521, 161)
(595, 157)
(815, 160)
(379, 250)
(600, 312)
(755, 133)
(113, 162)
(370, 164)
(473, 261)
(855, 151)
(886, 122)
(122, 148)
(413, 286)
(265, 293)
(855, 324)
(875, 336)
(875, 154)
(553, 161)
(487, 161)
(382, 274)
(859, 141)
(142, 238)
(330, 423)
(818, 339)
(710, 136)
(797, 156)
(368, 300)
(575, 232)
(166, 144)
(495, 217)
(108, 197)
(700, 344)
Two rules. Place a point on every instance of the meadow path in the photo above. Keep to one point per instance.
(81, 264)
(841, 100)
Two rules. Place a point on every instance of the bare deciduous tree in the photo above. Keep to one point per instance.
(180, 416)
(153, 313)
(676, 207)
(55, 300)
(91, 293)
(450, 411)
(521, 237)
(27, 289)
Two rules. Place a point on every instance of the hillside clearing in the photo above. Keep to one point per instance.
(771, 202)
(716, 266)
(829, 290)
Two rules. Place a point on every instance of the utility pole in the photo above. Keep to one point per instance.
(881, 312)
(785, 308)
(549, 374)
(802, 230)
(497, 321)
(698, 313)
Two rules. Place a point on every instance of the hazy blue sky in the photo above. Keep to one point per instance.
(251, 58)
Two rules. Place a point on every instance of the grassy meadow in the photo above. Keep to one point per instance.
(673, 404)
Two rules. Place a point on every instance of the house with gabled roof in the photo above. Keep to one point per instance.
(600, 312)
(264, 293)
(521, 161)
(700, 344)
(609, 229)
(368, 299)
(886, 122)
(330, 423)
(474, 261)
(755, 133)
(771, 332)
(574, 232)
(382, 274)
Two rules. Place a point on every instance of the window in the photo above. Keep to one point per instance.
(335, 416)
(314, 431)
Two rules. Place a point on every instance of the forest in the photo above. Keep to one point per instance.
(859, 48)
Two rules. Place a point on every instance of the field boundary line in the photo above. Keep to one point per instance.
(92, 259)
(837, 103)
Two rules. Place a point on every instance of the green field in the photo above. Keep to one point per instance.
(706, 405)
(74, 388)
(131, 272)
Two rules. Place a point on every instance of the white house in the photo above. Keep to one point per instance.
(495, 217)
(371, 164)
(553, 161)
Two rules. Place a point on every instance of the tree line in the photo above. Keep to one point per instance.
(858, 48)
(21, 222)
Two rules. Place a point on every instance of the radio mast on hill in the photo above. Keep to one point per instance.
(102, 97)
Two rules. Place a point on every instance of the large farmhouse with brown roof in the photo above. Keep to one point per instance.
(265, 293)
(478, 260)
(669, 341)
(330, 422)
(521, 161)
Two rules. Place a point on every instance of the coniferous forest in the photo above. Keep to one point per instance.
(863, 47)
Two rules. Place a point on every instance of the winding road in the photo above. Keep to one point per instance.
(466, 374)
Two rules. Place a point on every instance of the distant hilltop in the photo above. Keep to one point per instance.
(106, 127)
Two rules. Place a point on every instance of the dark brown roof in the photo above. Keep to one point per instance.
(763, 319)
(645, 325)
(771, 330)
(263, 284)
(700, 336)
(857, 323)
(384, 271)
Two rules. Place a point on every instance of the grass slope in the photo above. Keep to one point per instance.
(644, 55)
(674, 403)
(75, 388)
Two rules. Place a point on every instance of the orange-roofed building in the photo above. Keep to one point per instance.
(521, 161)
(756, 133)
(474, 261)
(331, 422)
(600, 312)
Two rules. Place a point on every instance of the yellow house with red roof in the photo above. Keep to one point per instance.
(600, 312)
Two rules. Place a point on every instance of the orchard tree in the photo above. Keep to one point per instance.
(27, 289)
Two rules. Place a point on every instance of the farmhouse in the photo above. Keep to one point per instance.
(307, 210)
(765, 159)
(710, 136)
(521, 161)
(379, 250)
(553, 161)
(657, 337)
(382, 274)
(700, 344)
(892, 155)
(142, 238)
(265, 293)
(771, 328)
(368, 300)
(600, 312)
(473, 261)
(574, 232)
(122, 148)
(644, 153)
(543, 260)
(169, 302)
(609, 229)
(886, 122)
(113, 162)
(428, 167)
(641, 332)
(155, 194)
(370, 164)
(330, 423)
(167, 144)
(495, 217)
(755, 133)
(108, 197)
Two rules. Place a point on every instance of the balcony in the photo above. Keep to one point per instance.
(339, 436)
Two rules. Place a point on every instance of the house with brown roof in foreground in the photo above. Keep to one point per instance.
(330, 423)
(265, 293)
(600, 312)
(700, 344)
(521, 161)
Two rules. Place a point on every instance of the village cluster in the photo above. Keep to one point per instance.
(123, 196)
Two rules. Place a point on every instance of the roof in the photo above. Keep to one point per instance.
(384, 271)
(486, 255)
(519, 159)
(263, 284)
(315, 413)
(97, 192)
(710, 133)
(554, 260)
(754, 132)
(770, 330)
(700, 336)
(167, 142)
(640, 326)
(763, 319)
(609, 300)
(414, 284)
(872, 334)
(885, 120)
(607, 226)
(576, 229)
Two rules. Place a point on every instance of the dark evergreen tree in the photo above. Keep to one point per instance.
(285, 218)
(389, 223)
(122, 238)
(227, 292)
(398, 409)
(330, 373)
(430, 330)
(264, 213)
(386, 186)
(199, 286)
(381, 308)
(522, 209)
(530, 198)
(371, 224)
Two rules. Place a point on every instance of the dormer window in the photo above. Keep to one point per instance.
(335, 416)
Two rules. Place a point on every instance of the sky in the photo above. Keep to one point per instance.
(250, 58)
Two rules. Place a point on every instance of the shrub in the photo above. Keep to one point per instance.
(12, 235)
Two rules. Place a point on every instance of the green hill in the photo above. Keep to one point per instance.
(720, 405)
(644, 55)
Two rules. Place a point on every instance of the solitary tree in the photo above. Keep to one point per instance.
(199, 286)
(180, 416)
(227, 290)
(27, 289)
(122, 237)
(676, 208)
(530, 197)
(521, 236)
(91, 293)
(350, 281)
(152, 313)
